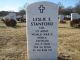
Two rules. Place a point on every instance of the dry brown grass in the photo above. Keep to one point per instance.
(13, 42)
(69, 41)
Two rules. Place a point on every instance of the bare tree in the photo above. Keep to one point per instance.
(61, 8)
(77, 8)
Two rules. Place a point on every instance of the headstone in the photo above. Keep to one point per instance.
(10, 16)
(61, 17)
(42, 22)
(75, 16)
(18, 17)
(10, 19)
(24, 16)
(67, 17)
(75, 20)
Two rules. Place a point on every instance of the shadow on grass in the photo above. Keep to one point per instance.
(63, 56)
(59, 58)
(19, 26)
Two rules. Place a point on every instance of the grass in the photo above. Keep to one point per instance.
(13, 41)
(69, 41)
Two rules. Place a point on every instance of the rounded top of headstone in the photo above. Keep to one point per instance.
(42, 2)
(42, 6)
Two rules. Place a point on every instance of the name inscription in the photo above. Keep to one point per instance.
(42, 42)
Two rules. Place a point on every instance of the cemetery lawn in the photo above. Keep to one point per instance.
(13, 41)
(69, 41)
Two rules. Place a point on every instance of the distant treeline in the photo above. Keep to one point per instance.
(69, 10)
(4, 13)
(62, 10)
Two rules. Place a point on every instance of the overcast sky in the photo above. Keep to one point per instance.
(15, 5)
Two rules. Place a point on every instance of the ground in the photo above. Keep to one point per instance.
(13, 42)
(69, 41)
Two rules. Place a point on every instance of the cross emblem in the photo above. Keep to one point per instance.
(41, 8)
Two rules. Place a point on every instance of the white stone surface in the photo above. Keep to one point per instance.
(75, 16)
(10, 16)
(61, 17)
(42, 26)
(24, 16)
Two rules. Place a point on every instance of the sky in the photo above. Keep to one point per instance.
(11, 5)
(16, 5)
